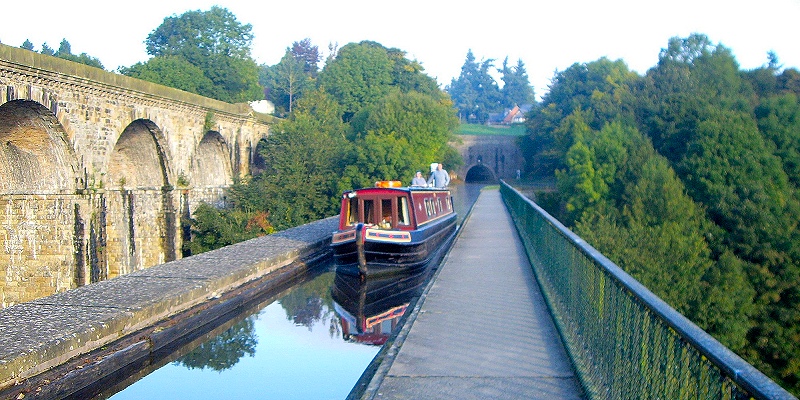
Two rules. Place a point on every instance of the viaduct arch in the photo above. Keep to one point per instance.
(97, 169)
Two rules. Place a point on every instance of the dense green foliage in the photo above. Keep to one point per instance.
(65, 51)
(396, 135)
(302, 157)
(354, 125)
(360, 74)
(173, 71)
(215, 44)
(212, 228)
(687, 178)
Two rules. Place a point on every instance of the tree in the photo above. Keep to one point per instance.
(360, 74)
(292, 76)
(309, 56)
(303, 159)
(516, 90)
(212, 228)
(216, 43)
(685, 178)
(198, 35)
(27, 45)
(698, 110)
(475, 93)
(640, 217)
(399, 134)
(462, 91)
(693, 77)
(409, 75)
(603, 92)
(580, 180)
(289, 79)
(789, 81)
(172, 71)
(64, 49)
(47, 50)
(65, 52)
(778, 119)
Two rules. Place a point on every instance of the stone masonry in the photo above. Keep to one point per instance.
(96, 170)
(498, 155)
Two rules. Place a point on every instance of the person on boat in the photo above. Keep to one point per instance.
(439, 178)
(419, 180)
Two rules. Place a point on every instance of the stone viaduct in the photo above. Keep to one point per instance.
(98, 169)
(488, 158)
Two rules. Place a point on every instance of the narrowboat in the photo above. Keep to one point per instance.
(390, 228)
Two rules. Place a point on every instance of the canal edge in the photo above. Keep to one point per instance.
(366, 388)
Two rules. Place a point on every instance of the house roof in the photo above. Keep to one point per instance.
(511, 115)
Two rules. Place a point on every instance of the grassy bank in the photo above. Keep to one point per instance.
(474, 129)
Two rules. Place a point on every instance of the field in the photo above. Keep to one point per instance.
(474, 129)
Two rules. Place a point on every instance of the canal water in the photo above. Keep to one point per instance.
(312, 341)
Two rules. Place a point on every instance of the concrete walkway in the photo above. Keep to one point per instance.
(482, 330)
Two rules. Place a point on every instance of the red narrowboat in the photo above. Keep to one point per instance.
(389, 228)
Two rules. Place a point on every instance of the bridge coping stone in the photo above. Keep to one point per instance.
(45, 62)
(47, 332)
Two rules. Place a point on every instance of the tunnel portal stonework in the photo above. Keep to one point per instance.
(97, 169)
(488, 158)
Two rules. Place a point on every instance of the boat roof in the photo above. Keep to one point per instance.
(396, 186)
(407, 189)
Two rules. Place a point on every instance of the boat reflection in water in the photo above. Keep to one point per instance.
(370, 308)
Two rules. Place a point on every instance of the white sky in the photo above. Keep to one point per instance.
(546, 35)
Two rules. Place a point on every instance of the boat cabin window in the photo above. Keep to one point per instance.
(402, 211)
(369, 212)
(386, 213)
(394, 212)
(352, 211)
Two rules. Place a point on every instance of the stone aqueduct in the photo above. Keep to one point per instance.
(97, 170)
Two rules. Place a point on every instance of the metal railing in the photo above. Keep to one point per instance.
(625, 342)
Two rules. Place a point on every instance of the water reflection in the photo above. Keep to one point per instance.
(290, 347)
(224, 351)
(370, 309)
(464, 196)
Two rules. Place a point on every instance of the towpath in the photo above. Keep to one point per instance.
(482, 330)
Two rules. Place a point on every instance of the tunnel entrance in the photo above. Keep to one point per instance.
(480, 174)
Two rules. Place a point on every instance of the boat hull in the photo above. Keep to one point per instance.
(370, 251)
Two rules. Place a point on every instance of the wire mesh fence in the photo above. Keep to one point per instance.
(625, 342)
